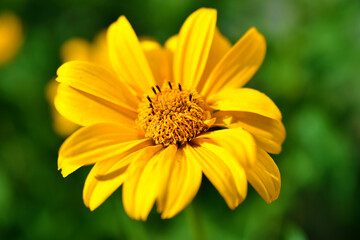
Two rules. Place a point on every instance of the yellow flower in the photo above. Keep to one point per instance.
(76, 49)
(164, 116)
(11, 36)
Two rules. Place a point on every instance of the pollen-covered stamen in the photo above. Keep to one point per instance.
(153, 89)
(158, 88)
(174, 116)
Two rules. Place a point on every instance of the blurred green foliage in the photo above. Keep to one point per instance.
(311, 71)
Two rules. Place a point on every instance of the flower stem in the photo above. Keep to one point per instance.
(195, 222)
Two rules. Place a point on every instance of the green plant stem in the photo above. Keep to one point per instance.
(195, 222)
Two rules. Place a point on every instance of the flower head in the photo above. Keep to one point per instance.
(161, 117)
(11, 36)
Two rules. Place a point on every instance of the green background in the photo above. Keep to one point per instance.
(311, 71)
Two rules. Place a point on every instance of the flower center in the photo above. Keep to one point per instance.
(173, 115)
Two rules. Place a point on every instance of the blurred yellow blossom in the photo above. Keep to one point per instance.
(11, 36)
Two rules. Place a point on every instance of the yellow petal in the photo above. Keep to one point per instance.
(127, 57)
(193, 47)
(268, 133)
(96, 192)
(75, 49)
(237, 141)
(146, 179)
(100, 52)
(183, 184)
(219, 47)
(223, 171)
(97, 81)
(96, 143)
(61, 125)
(264, 176)
(245, 100)
(11, 36)
(96, 189)
(172, 43)
(238, 66)
(159, 60)
(236, 169)
(85, 109)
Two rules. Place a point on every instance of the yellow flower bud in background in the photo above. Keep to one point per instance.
(11, 36)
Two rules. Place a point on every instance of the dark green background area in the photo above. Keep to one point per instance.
(311, 71)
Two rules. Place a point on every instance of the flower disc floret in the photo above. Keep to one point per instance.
(173, 115)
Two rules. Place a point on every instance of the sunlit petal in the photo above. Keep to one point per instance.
(127, 57)
(193, 47)
(219, 47)
(238, 66)
(223, 171)
(106, 177)
(237, 141)
(85, 109)
(268, 133)
(245, 100)
(97, 191)
(264, 176)
(145, 181)
(183, 184)
(160, 61)
(97, 81)
(96, 143)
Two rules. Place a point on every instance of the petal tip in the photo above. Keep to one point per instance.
(64, 173)
(92, 208)
(122, 18)
(253, 30)
(208, 10)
